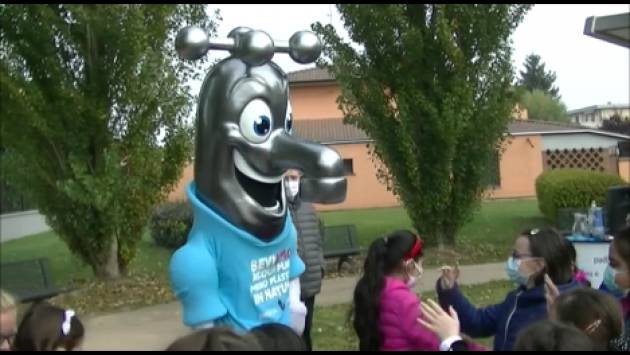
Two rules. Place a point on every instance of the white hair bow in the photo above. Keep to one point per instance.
(65, 327)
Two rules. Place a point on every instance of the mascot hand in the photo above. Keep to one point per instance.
(204, 326)
(297, 307)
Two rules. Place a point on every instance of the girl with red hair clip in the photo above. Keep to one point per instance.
(386, 308)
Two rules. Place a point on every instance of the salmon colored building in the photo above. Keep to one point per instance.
(530, 148)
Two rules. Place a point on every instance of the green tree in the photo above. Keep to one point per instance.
(431, 87)
(544, 107)
(94, 118)
(617, 124)
(535, 77)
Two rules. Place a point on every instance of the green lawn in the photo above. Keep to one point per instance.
(331, 330)
(487, 238)
(67, 268)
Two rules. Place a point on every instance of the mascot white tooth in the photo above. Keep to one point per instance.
(240, 265)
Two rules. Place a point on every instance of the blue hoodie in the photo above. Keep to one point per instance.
(520, 308)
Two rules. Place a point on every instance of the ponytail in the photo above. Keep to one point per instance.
(366, 297)
(383, 256)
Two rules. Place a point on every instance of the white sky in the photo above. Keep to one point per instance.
(589, 71)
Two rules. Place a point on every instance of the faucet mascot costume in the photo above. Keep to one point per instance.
(239, 266)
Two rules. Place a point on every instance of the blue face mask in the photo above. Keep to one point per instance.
(610, 283)
(513, 272)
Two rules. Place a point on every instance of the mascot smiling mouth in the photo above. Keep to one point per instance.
(266, 191)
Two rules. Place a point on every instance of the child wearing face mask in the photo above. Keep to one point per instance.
(579, 275)
(386, 308)
(617, 281)
(596, 313)
(536, 253)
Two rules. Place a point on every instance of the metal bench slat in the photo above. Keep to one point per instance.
(28, 280)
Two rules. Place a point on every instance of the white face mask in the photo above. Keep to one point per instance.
(419, 269)
(294, 187)
(413, 279)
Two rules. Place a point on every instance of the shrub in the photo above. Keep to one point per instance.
(170, 224)
(572, 188)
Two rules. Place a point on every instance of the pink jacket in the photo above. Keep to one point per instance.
(398, 312)
(581, 277)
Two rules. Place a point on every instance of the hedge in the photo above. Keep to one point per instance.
(572, 188)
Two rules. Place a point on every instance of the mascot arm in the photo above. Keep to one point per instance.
(195, 282)
(297, 309)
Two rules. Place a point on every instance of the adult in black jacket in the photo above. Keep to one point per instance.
(309, 248)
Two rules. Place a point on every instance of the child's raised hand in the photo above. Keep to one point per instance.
(438, 321)
(551, 293)
(449, 276)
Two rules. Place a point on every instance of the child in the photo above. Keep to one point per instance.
(8, 319)
(278, 337)
(215, 339)
(385, 305)
(46, 327)
(617, 281)
(267, 337)
(578, 275)
(594, 312)
(547, 335)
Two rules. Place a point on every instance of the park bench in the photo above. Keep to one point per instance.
(28, 280)
(341, 242)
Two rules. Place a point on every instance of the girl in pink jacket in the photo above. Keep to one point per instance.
(385, 308)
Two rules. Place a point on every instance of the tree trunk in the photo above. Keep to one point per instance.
(449, 237)
(109, 270)
(446, 237)
(441, 245)
(448, 229)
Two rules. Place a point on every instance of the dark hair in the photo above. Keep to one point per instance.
(547, 335)
(622, 244)
(41, 329)
(552, 247)
(596, 313)
(191, 342)
(278, 337)
(384, 257)
(572, 251)
(215, 339)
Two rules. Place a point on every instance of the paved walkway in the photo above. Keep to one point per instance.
(155, 327)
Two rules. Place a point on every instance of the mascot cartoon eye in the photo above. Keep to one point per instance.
(255, 121)
(261, 125)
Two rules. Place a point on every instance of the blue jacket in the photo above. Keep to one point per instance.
(616, 294)
(520, 308)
